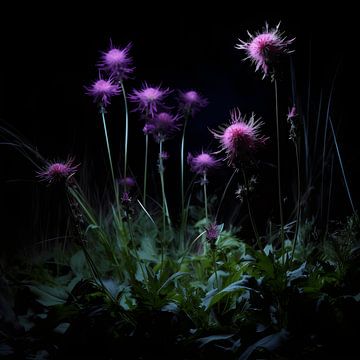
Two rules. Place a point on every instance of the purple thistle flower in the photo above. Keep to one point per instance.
(165, 124)
(240, 138)
(212, 233)
(128, 182)
(125, 198)
(149, 99)
(202, 162)
(148, 129)
(117, 62)
(164, 155)
(264, 47)
(55, 172)
(102, 91)
(292, 113)
(191, 102)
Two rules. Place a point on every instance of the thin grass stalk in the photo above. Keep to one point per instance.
(282, 237)
(205, 196)
(161, 171)
(342, 166)
(145, 168)
(252, 220)
(225, 191)
(298, 213)
(126, 132)
(116, 191)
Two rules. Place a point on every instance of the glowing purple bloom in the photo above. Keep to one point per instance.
(292, 113)
(240, 138)
(58, 171)
(202, 162)
(264, 47)
(128, 182)
(165, 125)
(149, 99)
(191, 102)
(102, 91)
(117, 62)
(148, 129)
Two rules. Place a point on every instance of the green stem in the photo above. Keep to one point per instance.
(282, 237)
(109, 155)
(126, 132)
(182, 167)
(161, 171)
(257, 237)
(298, 198)
(145, 167)
(224, 193)
(215, 269)
(205, 196)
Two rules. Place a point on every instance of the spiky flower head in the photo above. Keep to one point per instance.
(212, 233)
(55, 172)
(190, 102)
(265, 47)
(102, 91)
(117, 62)
(202, 162)
(128, 182)
(240, 138)
(149, 98)
(165, 124)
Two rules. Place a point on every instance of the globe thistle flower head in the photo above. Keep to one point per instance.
(149, 99)
(202, 162)
(240, 138)
(55, 172)
(117, 62)
(165, 124)
(265, 47)
(191, 102)
(128, 182)
(102, 91)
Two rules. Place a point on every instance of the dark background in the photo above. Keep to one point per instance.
(49, 54)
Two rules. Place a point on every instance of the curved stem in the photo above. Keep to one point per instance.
(126, 131)
(282, 237)
(145, 167)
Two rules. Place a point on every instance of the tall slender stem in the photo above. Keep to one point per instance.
(224, 192)
(161, 171)
(145, 167)
(252, 220)
(282, 238)
(102, 111)
(205, 196)
(182, 166)
(126, 131)
(215, 269)
(298, 198)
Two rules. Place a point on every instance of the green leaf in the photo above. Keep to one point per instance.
(49, 296)
(173, 277)
(269, 343)
(208, 339)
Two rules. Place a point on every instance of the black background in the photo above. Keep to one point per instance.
(48, 55)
